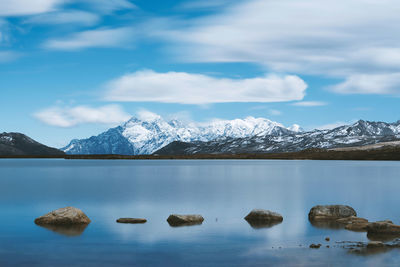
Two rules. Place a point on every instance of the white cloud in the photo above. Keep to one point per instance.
(27, 7)
(65, 17)
(331, 38)
(370, 84)
(93, 38)
(309, 104)
(186, 88)
(72, 116)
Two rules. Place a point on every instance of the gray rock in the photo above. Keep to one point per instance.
(330, 212)
(184, 220)
(63, 216)
(261, 215)
(131, 220)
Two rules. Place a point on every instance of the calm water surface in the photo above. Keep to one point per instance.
(223, 191)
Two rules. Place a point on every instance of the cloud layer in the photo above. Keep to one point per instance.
(342, 38)
(27, 7)
(186, 88)
(72, 116)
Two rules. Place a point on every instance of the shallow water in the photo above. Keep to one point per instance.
(223, 191)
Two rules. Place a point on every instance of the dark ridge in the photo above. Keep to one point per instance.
(20, 145)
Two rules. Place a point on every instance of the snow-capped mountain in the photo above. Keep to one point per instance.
(151, 132)
(358, 134)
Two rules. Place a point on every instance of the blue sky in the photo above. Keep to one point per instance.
(74, 68)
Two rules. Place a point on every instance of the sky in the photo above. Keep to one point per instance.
(74, 68)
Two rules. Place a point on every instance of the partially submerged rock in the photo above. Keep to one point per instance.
(375, 244)
(131, 220)
(64, 216)
(330, 212)
(263, 216)
(315, 246)
(354, 223)
(185, 220)
(383, 228)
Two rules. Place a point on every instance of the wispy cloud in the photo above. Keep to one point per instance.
(94, 38)
(6, 56)
(187, 88)
(309, 104)
(331, 126)
(202, 4)
(370, 84)
(72, 116)
(65, 17)
(109, 6)
(28, 7)
(303, 37)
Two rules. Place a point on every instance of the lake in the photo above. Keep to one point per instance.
(223, 191)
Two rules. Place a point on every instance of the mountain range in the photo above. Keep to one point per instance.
(17, 144)
(154, 135)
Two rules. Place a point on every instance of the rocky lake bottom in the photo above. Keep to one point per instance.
(222, 191)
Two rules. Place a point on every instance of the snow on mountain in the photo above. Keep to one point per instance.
(150, 132)
(358, 134)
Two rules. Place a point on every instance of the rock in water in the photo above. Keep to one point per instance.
(63, 216)
(131, 220)
(383, 228)
(259, 218)
(184, 220)
(330, 212)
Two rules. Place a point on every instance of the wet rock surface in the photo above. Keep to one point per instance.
(330, 212)
(260, 218)
(315, 246)
(185, 220)
(63, 216)
(368, 248)
(131, 220)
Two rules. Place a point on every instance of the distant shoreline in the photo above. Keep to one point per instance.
(385, 153)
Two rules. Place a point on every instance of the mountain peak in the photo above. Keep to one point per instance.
(149, 132)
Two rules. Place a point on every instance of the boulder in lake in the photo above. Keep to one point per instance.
(64, 216)
(330, 212)
(315, 246)
(131, 220)
(383, 228)
(259, 218)
(184, 220)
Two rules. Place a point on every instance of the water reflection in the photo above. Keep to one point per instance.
(226, 190)
(261, 224)
(66, 230)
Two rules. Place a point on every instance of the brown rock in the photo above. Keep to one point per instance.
(327, 239)
(375, 244)
(357, 226)
(330, 212)
(63, 216)
(131, 220)
(315, 246)
(384, 228)
(260, 215)
(184, 220)
(352, 219)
